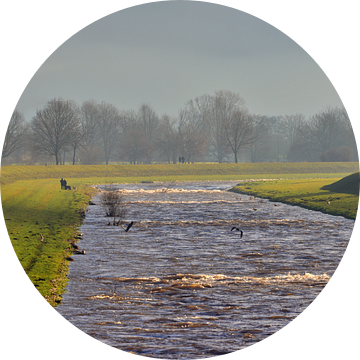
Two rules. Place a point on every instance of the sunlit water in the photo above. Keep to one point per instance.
(181, 284)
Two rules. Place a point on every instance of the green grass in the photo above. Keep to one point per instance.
(347, 185)
(312, 194)
(35, 207)
(33, 203)
(210, 171)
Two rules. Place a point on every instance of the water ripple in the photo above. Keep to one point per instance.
(180, 284)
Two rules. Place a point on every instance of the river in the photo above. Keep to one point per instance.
(181, 284)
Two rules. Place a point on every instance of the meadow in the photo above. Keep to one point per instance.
(172, 172)
(331, 196)
(34, 205)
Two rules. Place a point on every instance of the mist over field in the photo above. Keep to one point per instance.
(219, 85)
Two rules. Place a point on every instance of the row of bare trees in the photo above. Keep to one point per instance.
(214, 127)
(218, 125)
(327, 136)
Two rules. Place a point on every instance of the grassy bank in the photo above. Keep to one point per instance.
(35, 207)
(209, 171)
(332, 196)
(33, 204)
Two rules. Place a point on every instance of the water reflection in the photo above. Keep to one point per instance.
(180, 284)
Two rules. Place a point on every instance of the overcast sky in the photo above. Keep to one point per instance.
(167, 53)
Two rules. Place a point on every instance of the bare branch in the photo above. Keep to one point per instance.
(15, 133)
(114, 205)
(52, 126)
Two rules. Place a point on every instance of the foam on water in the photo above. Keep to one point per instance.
(224, 280)
(163, 190)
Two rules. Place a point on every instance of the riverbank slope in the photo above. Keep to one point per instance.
(331, 196)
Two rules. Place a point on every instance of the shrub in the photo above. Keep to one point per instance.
(114, 205)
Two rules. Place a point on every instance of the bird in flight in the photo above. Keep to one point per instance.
(128, 227)
(237, 229)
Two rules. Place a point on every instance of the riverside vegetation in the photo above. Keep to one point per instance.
(34, 205)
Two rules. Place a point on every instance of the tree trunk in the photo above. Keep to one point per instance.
(74, 155)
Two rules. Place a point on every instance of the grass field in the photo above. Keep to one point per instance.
(33, 203)
(35, 207)
(332, 196)
(207, 171)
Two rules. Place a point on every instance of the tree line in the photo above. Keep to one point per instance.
(216, 127)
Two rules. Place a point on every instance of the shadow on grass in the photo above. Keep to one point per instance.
(346, 185)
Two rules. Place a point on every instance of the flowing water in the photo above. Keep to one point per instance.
(181, 284)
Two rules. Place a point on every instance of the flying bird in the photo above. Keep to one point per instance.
(237, 229)
(129, 226)
(41, 237)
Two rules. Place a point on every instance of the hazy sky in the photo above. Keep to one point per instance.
(167, 53)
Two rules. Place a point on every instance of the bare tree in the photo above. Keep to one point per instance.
(327, 130)
(349, 133)
(149, 123)
(114, 205)
(321, 136)
(218, 144)
(239, 131)
(89, 115)
(219, 147)
(192, 135)
(199, 120)
(89, 151)
(203, 121)
(108, 125)
(218, 110)
(168, 141)
(133, 145)
(16, 131)
(76, 138)
(291, 124)
(53, 125)
(259, 147)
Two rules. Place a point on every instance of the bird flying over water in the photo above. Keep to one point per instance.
(237, 229)
(129, 226)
